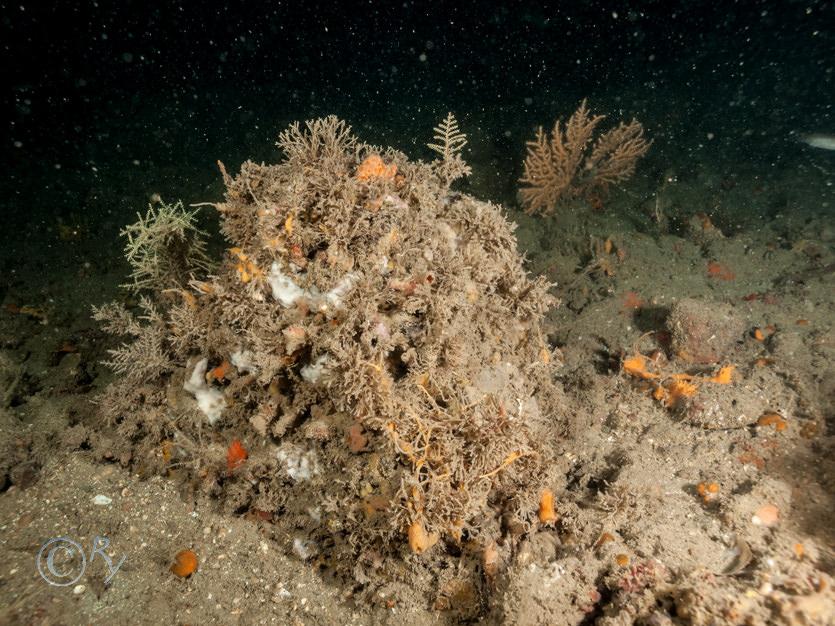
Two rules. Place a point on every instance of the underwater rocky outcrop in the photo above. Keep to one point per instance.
(368, 356)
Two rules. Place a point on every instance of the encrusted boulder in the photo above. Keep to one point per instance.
(370, 344)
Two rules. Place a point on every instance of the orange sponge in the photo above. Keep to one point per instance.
(374, 167)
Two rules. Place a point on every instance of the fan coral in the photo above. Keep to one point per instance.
(566, 163)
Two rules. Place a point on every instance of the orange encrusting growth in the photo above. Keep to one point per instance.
(720, 271)
(707, 490)
(772, 419)
(221, 371)
(547, 514)
(631, 300)
(357, 440)
(235, 455)
(185, 562)
(374, 167)
(419, 540)
(247, 267)
(604, 538)
(705, 221)
(766, 515)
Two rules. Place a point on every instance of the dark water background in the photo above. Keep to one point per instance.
(109, 102)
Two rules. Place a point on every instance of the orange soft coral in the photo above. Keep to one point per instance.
(374, 167)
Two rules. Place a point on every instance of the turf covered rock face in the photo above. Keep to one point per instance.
(370, 346)
(704, 332)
